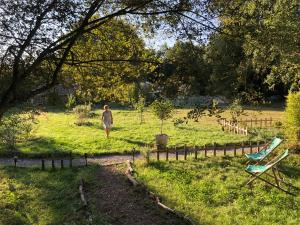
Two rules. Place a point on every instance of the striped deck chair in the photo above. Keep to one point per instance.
(264, 152)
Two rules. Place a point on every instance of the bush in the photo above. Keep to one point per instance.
(71, 102)
(82, 113)
(292, 118)
(14, 128)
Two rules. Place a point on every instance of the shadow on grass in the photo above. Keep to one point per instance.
(42, 195)
(135, 142)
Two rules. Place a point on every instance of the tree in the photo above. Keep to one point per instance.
(107, 63)
(162, 109)
(184, 70)
(268, 33)
(37, 36)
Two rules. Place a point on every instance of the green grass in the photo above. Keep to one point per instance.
(57, 132)
(210, 191)
(31, 196)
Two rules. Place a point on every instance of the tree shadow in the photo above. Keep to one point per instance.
(134, 142)
(39, 192)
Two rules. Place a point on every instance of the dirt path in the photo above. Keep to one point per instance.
(125, 205)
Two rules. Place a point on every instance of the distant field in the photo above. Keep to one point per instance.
(210, 191)
(32, 196)
(56, 132)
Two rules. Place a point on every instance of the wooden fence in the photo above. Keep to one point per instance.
(233, 127)
(183, 152)
(266, 122)
(53, 163)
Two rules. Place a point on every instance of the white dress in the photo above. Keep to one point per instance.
(107, 118)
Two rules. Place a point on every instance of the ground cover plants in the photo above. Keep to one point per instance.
(211, 191)
(57, 132)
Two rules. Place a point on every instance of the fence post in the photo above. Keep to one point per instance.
(176, 152)
(196, 152)
(215, 149)
(133, 154)
(15, 161)
(185, 152)
(251, 147)
(205, 151)
(157, 154)
(167, 154)
(266, 121)
(43, 164)
(243, 147)
(61, 163)
(85, 157)
(251, 122)
(271, 122)
(224, 149)
(71, 163)
(260, 123)
(234, 149)
(258, 148)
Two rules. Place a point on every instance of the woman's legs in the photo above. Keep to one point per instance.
(107, 131)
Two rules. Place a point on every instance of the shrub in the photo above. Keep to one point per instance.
(14, 128)
(82, 113)
(292, 118)
(236, 110)
(140, 106)
(71, 102)
(163, 110)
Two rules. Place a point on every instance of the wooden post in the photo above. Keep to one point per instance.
(53, 164)
(251, 147)
(133, 154)
(43, 164)
(15, 161)
(243, 147)
(185, 152)
(167, 154)
(266, 121)
(258, 148)
(85, 157)
(234, 149)
(157, 154)
(71, 163)
(196, 152)
(176, 152)
(251, 122)
(215, 149)
(225, 149)
(271, 122)
(261, 123)
(61, 163)
(205, 151)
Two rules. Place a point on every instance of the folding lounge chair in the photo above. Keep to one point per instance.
(264, 152)
(257, 171)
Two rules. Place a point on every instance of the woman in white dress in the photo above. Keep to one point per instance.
(107, 120)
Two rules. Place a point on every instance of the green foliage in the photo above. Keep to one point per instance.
(108, 63)
(71, 102)
(82, 113)
(163, 110)
(14, 128)
(236, 110)
(211, 191)
(292, 118)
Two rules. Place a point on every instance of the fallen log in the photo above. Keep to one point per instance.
(81, 191)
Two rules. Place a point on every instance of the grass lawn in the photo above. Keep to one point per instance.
(209, 190)
(31, 196)
(56, 132)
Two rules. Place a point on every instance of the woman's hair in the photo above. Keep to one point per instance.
(105, 107)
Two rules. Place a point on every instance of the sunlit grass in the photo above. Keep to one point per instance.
(57, 132)
(211, 191)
